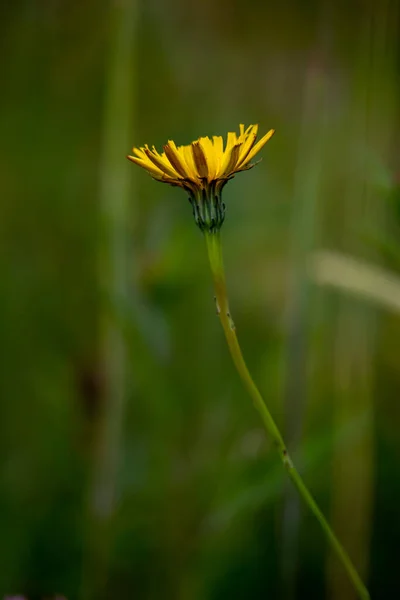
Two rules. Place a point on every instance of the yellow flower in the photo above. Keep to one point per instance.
(202, 168)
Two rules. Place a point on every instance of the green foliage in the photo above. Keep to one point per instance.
(132, 463)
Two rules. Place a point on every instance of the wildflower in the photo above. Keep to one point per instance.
(203, 168)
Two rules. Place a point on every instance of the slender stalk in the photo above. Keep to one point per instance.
(216, 263)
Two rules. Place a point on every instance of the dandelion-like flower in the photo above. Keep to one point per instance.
(202, 168)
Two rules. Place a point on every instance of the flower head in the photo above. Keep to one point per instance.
(202, 168)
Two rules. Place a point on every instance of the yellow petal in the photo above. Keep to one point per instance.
(199, 159)
(230, 142)
(230, 160)
(187, 154)
(152, 169)
(218, 145)
(139, 153)
(258, 146)
(211, 158)
(153, 150)
(248, 144)
(171, 152)
(162, 163)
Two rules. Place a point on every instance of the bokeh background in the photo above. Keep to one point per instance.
(133, 464)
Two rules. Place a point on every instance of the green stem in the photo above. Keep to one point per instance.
(215, 257)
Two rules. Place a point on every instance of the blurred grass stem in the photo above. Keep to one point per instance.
(214, 250)
(115, 196)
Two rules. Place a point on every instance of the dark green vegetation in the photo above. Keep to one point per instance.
(132, 462)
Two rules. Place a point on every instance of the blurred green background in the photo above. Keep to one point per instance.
(133, 464)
